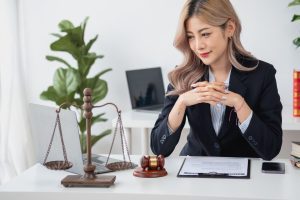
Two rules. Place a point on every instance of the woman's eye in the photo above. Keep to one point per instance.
(205, 34)
(189, 37)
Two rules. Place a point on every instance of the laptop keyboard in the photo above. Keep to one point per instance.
(99, 161)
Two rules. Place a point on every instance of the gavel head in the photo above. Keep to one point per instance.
(152, 162)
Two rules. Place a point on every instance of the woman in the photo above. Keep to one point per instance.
(229, 97)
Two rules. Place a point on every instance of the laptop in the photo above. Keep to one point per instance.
(146, 89)
(42, 119)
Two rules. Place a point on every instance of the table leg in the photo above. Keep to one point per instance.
(144, 141)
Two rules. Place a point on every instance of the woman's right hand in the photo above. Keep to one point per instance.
(203, 92)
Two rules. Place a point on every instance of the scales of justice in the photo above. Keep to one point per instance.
(90, 179)
(151, 166)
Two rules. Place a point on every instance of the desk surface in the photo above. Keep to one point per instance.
(140, 119)
(41, 183)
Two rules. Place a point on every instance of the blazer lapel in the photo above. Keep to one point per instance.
(235, 85)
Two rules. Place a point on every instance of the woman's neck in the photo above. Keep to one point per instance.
(221, 72)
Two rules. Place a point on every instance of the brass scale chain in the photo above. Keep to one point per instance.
(57, 122)
(119, 125)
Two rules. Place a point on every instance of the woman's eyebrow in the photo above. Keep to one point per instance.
(199, 31)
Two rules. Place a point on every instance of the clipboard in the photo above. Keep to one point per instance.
(214, 174)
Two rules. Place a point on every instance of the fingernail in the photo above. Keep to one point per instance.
(224, 97)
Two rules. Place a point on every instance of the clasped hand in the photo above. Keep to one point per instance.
(211, 93)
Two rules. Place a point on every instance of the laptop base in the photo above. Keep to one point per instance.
(81, 181)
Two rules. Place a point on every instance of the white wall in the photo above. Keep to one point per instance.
(139, 34)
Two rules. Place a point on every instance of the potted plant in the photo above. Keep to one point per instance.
(69, 81)
(295, 18)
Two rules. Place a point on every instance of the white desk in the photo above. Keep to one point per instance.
(41, 183)
(145, 122)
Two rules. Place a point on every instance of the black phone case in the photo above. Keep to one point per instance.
(273, 167)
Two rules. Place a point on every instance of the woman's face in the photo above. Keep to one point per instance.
(208, 42)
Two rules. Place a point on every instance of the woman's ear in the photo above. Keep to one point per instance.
(230, 28)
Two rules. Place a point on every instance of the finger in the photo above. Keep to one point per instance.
(224, 98)
(198, 84)
(218, 83)
(202, 89)
(208, 98)
(213, 103)
(222, 85)
(217, 88)
(215, 94)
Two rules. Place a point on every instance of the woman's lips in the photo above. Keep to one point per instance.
(204, 55)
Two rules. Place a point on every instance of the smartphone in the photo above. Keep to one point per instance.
(273, 167)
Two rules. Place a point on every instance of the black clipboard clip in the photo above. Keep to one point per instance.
(213, 174)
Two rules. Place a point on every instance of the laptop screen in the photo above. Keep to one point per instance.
(146, 88)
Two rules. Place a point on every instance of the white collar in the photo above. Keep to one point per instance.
(212, 76)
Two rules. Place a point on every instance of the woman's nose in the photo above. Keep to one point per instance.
(199, 44)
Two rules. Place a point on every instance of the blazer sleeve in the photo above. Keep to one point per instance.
(162, 142)
(264, 132)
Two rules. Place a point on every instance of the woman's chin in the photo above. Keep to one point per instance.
(205, 61)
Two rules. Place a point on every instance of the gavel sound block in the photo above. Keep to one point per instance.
(151, 167)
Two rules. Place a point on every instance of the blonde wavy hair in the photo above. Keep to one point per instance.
(215, 13)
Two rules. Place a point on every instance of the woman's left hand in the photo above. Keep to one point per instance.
(236, 101)
(231, 99)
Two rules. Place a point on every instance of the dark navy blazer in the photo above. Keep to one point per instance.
(263, 137)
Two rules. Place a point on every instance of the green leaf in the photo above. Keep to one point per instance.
(295, 18)
(294, 3)
(98, 118)
(83, 142)
(90, 43)
(51, 95)
(54, 58)
(66, 81)
(297, 42)
(82, 125)
(72, 43)
(86, 62)
(56, 35)
(103, 72)
(65, 44)
(76, 35)
(65, 25)
(83, 25)
(78, 102)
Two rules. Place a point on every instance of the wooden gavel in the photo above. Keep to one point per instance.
(152, 162)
